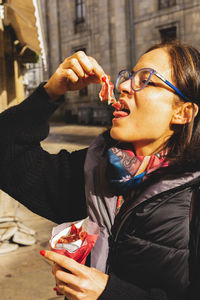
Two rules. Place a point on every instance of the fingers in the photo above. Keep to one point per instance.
(55, 268)
(97, 69)
(68, 278)
(79, 63)
(58, 282)
(80, 66)
(75, 73)
(64, 261)
(73, 66)
(82, 283)
(71, 75)
(61, 276)
(84, 61)
(67, 291)
(66, 283)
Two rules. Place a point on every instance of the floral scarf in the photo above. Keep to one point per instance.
(126, 170)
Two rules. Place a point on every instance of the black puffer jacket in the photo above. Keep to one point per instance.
(151, 240)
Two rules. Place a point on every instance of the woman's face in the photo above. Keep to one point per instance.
(148, 124)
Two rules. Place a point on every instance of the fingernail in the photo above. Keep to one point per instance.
(91, 74)
(42, 252)
(57, 292)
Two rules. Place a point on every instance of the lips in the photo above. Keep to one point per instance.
(122, 109)
(120, 114)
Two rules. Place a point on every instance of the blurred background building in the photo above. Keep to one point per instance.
(116, 33)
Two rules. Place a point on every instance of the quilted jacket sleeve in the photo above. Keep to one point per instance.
(49, 185)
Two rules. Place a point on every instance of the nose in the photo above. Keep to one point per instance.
(125, 87)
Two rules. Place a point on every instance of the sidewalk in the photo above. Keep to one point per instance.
(24, 273)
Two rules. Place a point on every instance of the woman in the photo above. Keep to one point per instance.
(139, 181)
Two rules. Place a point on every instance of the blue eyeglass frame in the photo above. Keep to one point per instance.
(152, 72)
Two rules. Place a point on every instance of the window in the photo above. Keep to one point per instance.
(166, 3)
(80, 11)
(168, 34)
(79, 22)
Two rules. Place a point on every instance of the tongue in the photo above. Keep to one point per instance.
(120, 114)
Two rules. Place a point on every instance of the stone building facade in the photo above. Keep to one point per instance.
(115, 32)
(155, 20)
(100, 28)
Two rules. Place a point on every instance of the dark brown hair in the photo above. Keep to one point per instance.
(184, 144)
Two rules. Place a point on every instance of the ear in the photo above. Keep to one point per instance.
(185, 113)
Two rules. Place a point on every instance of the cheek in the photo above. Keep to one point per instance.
(155, 113)
(158, 104)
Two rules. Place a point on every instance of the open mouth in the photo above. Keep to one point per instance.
(121, 111)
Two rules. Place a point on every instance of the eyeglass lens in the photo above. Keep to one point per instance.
(141, 79)
(138, 80)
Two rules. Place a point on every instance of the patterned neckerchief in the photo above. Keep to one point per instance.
(126, 170)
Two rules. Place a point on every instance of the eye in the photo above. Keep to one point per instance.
(151, 83)
(144, 81)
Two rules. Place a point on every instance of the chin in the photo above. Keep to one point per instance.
(117, 135)
(113, 134)
(121, 135)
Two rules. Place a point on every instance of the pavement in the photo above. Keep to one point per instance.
(24, 273)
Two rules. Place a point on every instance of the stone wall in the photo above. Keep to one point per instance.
(149, 20)
(105, 34)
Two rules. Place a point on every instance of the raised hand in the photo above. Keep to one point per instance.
(76, 72)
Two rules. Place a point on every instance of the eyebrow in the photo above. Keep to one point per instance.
(133, 71)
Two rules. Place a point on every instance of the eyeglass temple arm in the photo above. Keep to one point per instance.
(172, 86)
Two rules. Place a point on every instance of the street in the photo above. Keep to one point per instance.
(24, 273)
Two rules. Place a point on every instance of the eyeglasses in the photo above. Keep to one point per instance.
(141, 78)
